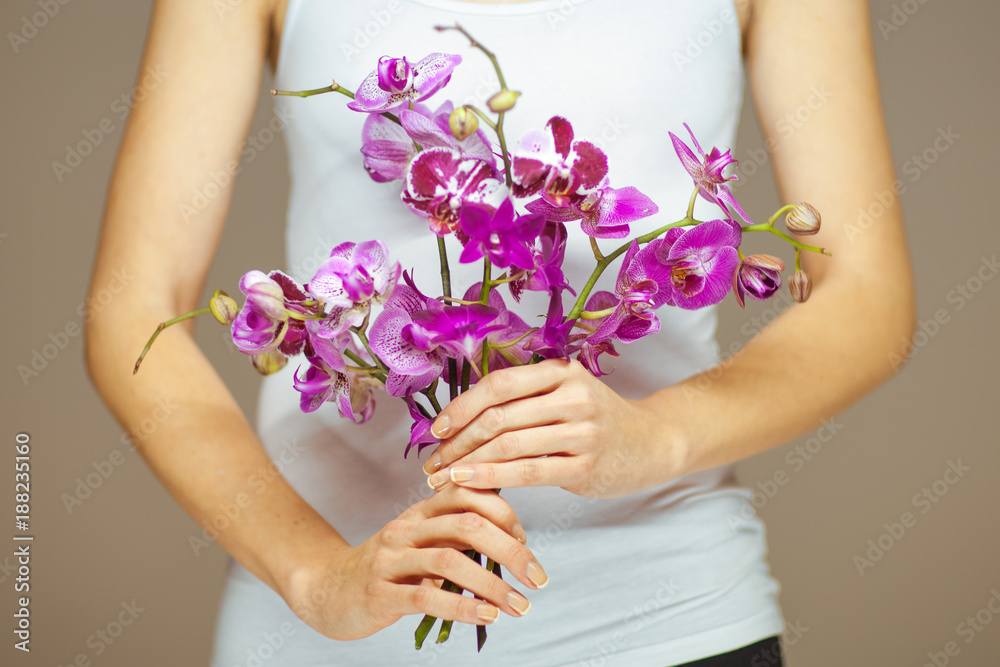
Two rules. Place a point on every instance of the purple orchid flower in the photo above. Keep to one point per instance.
(389, 147)
(701, 261)
(509, 327)
(263, 324)
(411, 366)
(592, 349)
(643, 285)
(555, 339)
(551, 162)
(320, 384)
(546, 273)
(355, 276)
(757, 276)
(604, 213)
(440, 181)
(396, 82)
(707, 172)
(420, 429)
(499, 235)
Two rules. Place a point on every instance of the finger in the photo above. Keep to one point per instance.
(506, 384)
(556, 470)
(551, 440)
(495, 420)
(408, 599)
(485, 503)
(470, 530)
(469, 575)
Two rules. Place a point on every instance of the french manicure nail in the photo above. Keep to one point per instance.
(518, 603)
(437, 480)
(487, 612)
(432, 463)
(536, 575)
(462, 474)
(441, 426)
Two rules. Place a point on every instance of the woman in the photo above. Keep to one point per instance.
(632, 516)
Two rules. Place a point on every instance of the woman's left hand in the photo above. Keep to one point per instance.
(549, 424)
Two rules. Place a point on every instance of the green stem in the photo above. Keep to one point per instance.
(765, 227)
(490, 123)
(777, 214)
(484, 298)
(477, 45)
(446, 291)
(332, 88)
(164, 325)
(503, 145)
(694, 197)
(598, 255)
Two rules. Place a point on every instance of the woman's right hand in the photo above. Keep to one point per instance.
(356, 591)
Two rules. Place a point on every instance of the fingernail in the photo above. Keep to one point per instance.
(462, 474)
(487, 612)
(519, 534)
(536, 575)
(441, 426)
(432, 463)
(437, 480)
(518, 603)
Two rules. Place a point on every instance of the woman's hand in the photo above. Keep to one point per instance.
(360, 590)
(549, 424)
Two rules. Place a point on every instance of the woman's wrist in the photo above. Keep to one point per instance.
(319, 563)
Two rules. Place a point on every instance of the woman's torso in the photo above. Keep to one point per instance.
(654, 578)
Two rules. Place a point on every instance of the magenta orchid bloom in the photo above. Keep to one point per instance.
(757, 276)
(701, 261)
(707, 172)
(604, 213)
(509, 327)
(396, 82)
(263, 323)
(439, 182)
(389, 147)
(643, 285)
(420, 429)
(355, 276)
(551, 162)
(320, 384)
(499, 235)
(412, 366)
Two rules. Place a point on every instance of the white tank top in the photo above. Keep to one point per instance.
(658, 578)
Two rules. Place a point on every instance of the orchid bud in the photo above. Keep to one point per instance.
(800, 286)
(223, 307)
(267, 363)
(803, 219)
(395, 75)
(757, 276)
(503, 101)
(463, 123)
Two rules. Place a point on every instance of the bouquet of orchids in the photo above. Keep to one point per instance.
(452, 178)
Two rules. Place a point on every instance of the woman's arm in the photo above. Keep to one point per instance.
(188, 127)
(810, 364)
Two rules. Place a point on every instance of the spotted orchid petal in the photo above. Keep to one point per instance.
(429, 75)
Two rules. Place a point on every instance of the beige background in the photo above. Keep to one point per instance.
(128, 540)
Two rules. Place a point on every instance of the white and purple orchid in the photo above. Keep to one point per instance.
(707, 172)
(355, 276)
(440, 181)
(604, 213)
(551, 162)
(395, 82)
